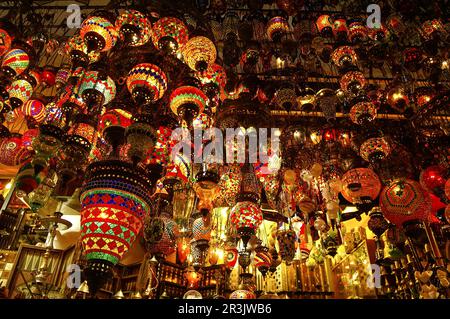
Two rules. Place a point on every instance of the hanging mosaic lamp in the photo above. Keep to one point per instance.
(160, 235)
(187, 102)
(114, 203)
(12, 151)
(262, 259)
(277, 27)
(340, 29)
(169, 34)
(35, 109)
(363, 112)
(357, 30)
(325, 25)
(96, 91)
(147, 83)
(344, 57)
(246, 217)
(20, 92)
(7, 34)
(353, 81)
(134, 28)
(286, 99)
(404, 200)
(375, 149)
(327, 100)
(433, 179)
(80, 139)
(15, 62)
(98, 33)
(141, 137)
(199, 53)
(360, 185)
(286, 242)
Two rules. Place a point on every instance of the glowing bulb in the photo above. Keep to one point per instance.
(8, 186)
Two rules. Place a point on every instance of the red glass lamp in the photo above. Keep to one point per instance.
(433, 179)
(246, 217)
(134, 28)
(35, 109)
(277, 27)
(20, 92)
(357, 30)
(146, 83)
(353, 81)
(169, 34)
(325, 25)
(12, 151)
(187, 102)
(344, 56)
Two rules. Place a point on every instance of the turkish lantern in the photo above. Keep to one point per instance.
(134, 28)
(161, 234)
(20, 92)
(277, 27)
(201, 229)
(374, 149)
(353, 81)
(363, 113)
(360, 185)
(344, 56)
(146, 83)
(262, 259)
(187, 102)
(12, 151)
(96, 91)
(404, 200)
(433, 180)
(199, 53)
(357, 31)
(7, 35)
(98, 33)
(34, 109)
(340, 29)
(114, 202)
(246, 217)
(169, 34)
(325, 25)
(15, 62)
(242, 294)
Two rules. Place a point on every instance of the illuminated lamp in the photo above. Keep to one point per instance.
(433, 180)
(48, 76)
(344, 56)
(114, 117)
(404, 200)
(80, 138)
(242, 294)
(160, 233)
(192, 277)
(95, 90)
(375, 149)
(286, 98)
(327, 100)
(28, 137)
(286, 242)
(353, 81)
(20, 92)
(246, 217)
(340, 29)
(15, 62)
(134, 28)
(98, 33)
(277, 27)
(325, 25)
(360, 185)
(46, 144)
(213, 80)
(397, 98)
(199, 53)
(141, 137)
(306, 100)
(187, 102)
(169, 34)
(357, 30)
(61, 77)
(262, 259)
(12, 151)
(423, 95)
(146, 83)
(35, 109)
(378, 32)
(115, 201)
(412, 59)
(363, 112)
(7, 35)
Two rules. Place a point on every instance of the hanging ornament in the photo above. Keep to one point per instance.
(20, 92)
(169, 34)
(246, 217)
(375, 149)
(187, 102)
(35, 109)
(12, 151)
(363, 112)
(360, 185)
(433, 180)
(199, 53)
(147, 83)
(325, 25)
(277, 28)
(15, 62)
(134, 28)
(98, 33)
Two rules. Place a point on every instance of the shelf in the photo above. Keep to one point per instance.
(130, 276)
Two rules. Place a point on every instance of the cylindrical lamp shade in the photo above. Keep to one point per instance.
(134, 28)
(16, 60)
(199, 53)
(160, 235)
(35, 109)
(169, 34)
(98, 33)
(360, 184)
(114, 202)
(404, 200)
(12, 151)
(146, 82)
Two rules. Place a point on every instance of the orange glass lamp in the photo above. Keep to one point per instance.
(98, 33)
(325, 25)
(169, 34)
(363, 113)
(187, 102)
(192, 277)
(134, 28)
(353, 81)
(199, 53)
(375, 149)
(360, 184)
(147, 83)
(277, 27)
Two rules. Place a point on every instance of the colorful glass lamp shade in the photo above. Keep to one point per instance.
(160, 235)
(286, 98)
(169, 34)
(360, 185)
(15, 62)
(199, 53)
(324, 25)
(34, 109)
(6, 38)
(96, 91)
(20, 92)
(276, 28)
(344, 56)
(146, 83)
(357, 31)
(12, 151)
(141, 137)
(363, 113)
(433, 179)
(134, 28)
(353, 81)
(187, 102)
(98, 33)
(404, 200)
(375, 149)
(246, 217)
(242, 294)
(262, 259)
(286, 242)
(114, 203)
